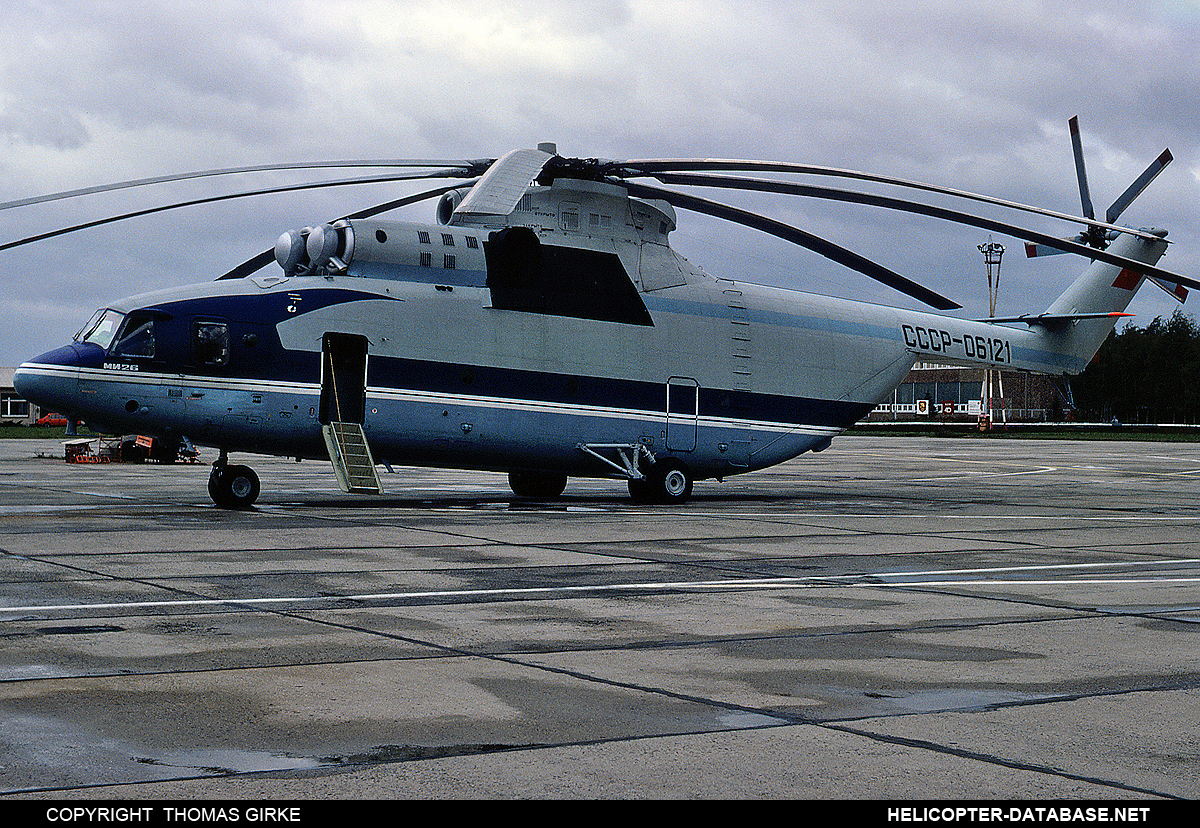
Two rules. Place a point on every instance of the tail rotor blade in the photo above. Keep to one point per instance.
(1085, 195)
(1135, 189)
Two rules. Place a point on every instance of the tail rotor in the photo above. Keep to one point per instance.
(1094, 236)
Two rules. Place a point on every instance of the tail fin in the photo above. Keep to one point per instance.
(1083, 316)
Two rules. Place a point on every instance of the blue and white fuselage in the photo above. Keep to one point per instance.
(567, 338)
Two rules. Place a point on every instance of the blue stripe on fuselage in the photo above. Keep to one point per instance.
(603, 392)
(267, 361)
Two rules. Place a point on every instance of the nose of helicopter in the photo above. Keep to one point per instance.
(51, 380)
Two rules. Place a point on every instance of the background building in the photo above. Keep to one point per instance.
(954, 393)
(13, 409)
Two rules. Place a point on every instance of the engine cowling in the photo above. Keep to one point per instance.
(448, 203)
(324, 248)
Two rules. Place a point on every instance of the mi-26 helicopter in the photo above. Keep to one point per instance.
(544, 327)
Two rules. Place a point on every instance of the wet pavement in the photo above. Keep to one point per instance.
(893, 618)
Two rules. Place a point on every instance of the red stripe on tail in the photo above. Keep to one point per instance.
(1128, 279)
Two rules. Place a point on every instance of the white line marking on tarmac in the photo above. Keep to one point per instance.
(858, 579)
(1030, 567)
(975, 474)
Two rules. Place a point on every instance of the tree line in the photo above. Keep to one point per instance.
(1144, 375)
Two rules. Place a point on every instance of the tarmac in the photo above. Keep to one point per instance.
(894, 618)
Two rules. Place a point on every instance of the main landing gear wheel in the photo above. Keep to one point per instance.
(233, 487)
(540, 485)
(667, 481)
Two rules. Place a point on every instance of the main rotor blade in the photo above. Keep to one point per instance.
(799, 237)
(406, 200)
(1135, 189)
(452, 172)
(652, 168)
(872, 200)
(1085, 196)
(470, 168)
(257, 263)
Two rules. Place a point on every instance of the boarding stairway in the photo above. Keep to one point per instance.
(351, 456)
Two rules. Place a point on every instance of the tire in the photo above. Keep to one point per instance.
(164, 451)
(132, 452)
(640, 491)
(540, 485)
(214, 487)
(233, 487)
(669, 481)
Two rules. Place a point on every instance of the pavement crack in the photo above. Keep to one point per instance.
(991, 759)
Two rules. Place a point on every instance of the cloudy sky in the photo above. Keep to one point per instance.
(971, 94)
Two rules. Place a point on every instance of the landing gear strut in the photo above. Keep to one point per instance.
(664, 480)
(232, 487)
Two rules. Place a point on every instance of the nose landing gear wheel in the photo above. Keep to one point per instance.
(233, 487)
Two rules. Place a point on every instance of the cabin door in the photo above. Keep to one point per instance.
(343, 378)
(683, 413)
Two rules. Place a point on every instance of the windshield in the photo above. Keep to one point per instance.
(101, 328)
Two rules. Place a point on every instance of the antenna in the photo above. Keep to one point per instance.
(993, 382)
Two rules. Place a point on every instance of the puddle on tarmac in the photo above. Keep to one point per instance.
(32, 672)
(958, 699)
(229, 761)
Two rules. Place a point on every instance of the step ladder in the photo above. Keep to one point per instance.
(352, 461)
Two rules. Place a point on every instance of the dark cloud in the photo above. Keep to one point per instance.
(967, 94)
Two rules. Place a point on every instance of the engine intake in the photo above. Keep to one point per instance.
(448, 203)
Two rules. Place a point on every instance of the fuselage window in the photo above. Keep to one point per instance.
(210, 342)
(136, 338)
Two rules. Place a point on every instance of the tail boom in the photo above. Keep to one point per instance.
(1062, 340)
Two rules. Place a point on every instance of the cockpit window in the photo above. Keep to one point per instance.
(101, 328)
(210, 342)
(136, 338)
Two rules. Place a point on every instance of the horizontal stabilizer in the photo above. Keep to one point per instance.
(1053, 318)
(1178, 292)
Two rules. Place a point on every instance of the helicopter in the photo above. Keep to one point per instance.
(543, 326)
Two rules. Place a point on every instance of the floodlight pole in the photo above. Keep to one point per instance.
(992, 253)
